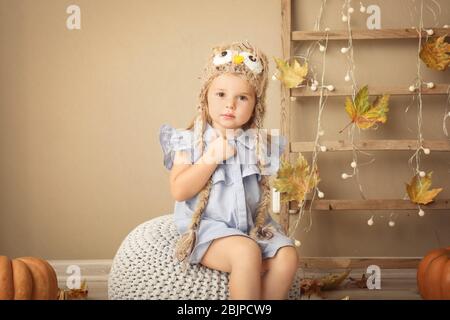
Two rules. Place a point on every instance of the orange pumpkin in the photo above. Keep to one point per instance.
(27, 278)
(433, 275)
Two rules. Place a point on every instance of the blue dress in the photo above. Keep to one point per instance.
(234, 195)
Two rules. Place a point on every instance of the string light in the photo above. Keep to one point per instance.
(353, 164)
(347, 77)
(320, 194)
(297, 243)
(322, 102)
(430, 32)
(350, 76)
(370, 221)
(426, 150)
(362, 9)
(430, 85)
(345, 176)
(422, 174)
(421, 212)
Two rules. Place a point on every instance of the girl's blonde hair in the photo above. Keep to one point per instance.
(259, 81)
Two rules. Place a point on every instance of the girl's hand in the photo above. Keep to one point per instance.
(219, 149)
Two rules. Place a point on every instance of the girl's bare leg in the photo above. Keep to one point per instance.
(279, 274)
(241, 257)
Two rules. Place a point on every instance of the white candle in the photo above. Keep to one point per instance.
(275, 201)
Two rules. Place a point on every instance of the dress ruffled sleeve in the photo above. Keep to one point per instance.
(173, 140)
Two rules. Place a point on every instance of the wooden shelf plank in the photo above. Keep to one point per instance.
(373, 145)
(358, 263)
(439, 89)
(371, 204)
(406, 33)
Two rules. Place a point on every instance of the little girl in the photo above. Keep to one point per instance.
(220, 168)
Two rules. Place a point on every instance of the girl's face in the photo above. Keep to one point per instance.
(231, 100)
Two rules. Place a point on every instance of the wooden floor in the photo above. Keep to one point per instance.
(399, 284)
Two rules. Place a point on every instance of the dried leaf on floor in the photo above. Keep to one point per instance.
(74, 294)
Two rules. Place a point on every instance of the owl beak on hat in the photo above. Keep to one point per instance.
(238, 59)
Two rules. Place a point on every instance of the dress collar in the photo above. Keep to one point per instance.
(244, 137)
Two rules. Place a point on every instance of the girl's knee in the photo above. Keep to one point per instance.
(287, 258)
(246, 251)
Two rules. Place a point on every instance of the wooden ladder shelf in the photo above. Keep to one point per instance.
(287, 37)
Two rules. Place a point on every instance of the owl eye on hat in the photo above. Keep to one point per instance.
(233, 56)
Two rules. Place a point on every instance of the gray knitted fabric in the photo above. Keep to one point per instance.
(145, 268)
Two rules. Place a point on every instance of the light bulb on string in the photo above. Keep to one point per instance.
(320, 194)
(421, 212)
(426, 150)
(430, 85)
(362, 9)
(330, 87)
(422, 174)
(391, 223)
(347, 77)
(274, 78)
(323, 148)
(370, 221)
(412, 88)
(345, 176)
(344, 49)
(350, 10)
(430, 32)
(321, 48)
(293, 98)
(344, 18)
(297, 243)
(353, 164)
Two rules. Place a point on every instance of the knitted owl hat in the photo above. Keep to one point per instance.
(245, 60)
(240, 58)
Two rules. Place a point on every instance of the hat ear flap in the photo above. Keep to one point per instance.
(198, 132)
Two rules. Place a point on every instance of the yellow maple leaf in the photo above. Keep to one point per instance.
(291, 76)
(436, 53)
(295, 181)
(363, 113)
(418, 189)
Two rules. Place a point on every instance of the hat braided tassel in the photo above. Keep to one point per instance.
(185, 244)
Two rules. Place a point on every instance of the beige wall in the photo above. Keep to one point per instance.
(80, 111)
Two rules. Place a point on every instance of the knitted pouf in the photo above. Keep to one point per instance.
(145, 268)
